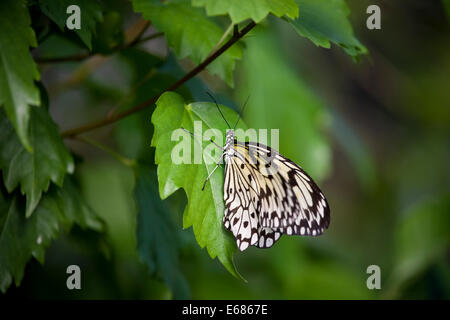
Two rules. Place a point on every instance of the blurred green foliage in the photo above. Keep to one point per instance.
(373, 134)
(276, 92)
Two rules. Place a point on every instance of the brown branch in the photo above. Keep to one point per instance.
(145, 104)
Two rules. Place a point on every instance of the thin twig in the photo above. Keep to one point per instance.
(177, 84)
(126, 161)
(222, 39)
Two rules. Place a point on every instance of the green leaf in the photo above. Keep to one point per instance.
(90, 12)
(280, 99)
(109, 35)
(33, 171)
(17, 68)
(157, 236)
(325, 21)
(21, 238)
(190, 33)
(205, 209)
(256, 10)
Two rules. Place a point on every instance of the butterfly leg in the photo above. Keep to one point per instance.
(209, 176)
(210, 140)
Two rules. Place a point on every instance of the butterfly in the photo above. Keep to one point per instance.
(267, 195)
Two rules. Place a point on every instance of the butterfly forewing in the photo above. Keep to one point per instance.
(267, 195)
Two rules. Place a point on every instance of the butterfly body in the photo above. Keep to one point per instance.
(229, 142)
(267, 195)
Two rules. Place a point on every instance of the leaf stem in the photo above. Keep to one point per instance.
(115, 117)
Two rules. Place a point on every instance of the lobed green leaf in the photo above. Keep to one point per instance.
(22, 238)
(50, 160)
(90, 14)
(256, 10)
(325, 21)
(17, 68)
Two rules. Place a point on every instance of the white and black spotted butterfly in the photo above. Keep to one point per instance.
(267, 195)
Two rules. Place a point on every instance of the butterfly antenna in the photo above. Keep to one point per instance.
(240, 113)
(213, 99)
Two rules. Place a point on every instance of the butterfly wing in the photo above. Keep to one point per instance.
(240, 196)
(295, 203)
(285, 199)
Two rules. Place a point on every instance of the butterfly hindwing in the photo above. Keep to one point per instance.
(267, 237)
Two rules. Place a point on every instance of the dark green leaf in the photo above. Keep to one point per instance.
(22, 238)
(109, 35)
(205, 209)
(256, 10)
(190, 33)
(50, 160)
(157, 236)
(90, 10)
(325, 21)
(17, 68)
(59, 45)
